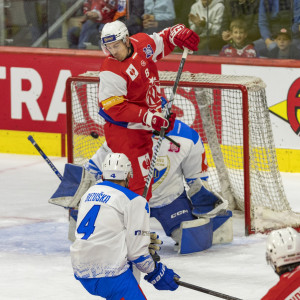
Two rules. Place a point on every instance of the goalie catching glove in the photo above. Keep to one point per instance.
(184, 37)
(162, 278)
(157, 121)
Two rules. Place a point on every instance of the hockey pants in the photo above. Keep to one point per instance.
(137, 146)
(122, 287)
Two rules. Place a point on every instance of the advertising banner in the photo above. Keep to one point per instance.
(33, 88)
(33, 81)
(283, 96)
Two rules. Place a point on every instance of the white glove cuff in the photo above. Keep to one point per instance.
(149, 115)
(174, 30)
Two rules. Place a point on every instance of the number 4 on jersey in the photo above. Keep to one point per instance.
(87, 224)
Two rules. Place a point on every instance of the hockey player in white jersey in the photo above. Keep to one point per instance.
(112, 232)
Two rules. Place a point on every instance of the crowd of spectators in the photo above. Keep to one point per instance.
(235, 28)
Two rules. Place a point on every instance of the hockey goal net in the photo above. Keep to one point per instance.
(231, 115)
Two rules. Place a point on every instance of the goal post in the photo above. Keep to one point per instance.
(85, 133)
(231, 115)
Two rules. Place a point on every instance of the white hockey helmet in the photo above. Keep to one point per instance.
(112, 32)
(116, 166)
(283, 247)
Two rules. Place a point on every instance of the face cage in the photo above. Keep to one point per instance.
(269, 261)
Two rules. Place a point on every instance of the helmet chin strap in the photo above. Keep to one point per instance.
(130, 50)
(126, 182)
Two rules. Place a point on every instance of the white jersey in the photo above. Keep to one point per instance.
(112, 230)
(173, 166)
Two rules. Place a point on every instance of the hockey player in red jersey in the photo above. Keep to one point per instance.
(283, 254)
(129, 92)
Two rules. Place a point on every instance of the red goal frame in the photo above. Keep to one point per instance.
(241, 88)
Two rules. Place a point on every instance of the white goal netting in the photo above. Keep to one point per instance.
(231, 115)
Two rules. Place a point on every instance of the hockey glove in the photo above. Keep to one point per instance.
(162, 278)
(171, 122)
(155, 120)
(184, 37)
(154, 246)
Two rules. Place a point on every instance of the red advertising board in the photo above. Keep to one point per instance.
(33, 89)
(33, 81)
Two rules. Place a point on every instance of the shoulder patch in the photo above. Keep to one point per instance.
(132, 72)
(148, 51)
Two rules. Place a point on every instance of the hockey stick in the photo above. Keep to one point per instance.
(37, 147)
(162, 131)
(204, 290)
(155, 132)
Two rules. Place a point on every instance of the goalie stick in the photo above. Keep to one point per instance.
(204, 290)
(167, 115)
(46, 158)
(155, 132)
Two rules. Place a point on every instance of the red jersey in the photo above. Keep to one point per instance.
(129, 88)
(106, 9)
(231, 51)
(288, 287)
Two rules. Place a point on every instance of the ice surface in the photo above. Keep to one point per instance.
(34, 249)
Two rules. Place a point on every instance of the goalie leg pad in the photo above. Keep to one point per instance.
(196, 236)
(92, 168)
(223, 229)
(94, 165)
(171, 215)
(76, 181)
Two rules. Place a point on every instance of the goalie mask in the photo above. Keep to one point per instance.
(112, 32)
(283, 248)
(116, 166)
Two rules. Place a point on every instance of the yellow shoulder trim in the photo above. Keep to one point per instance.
(112, 101)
